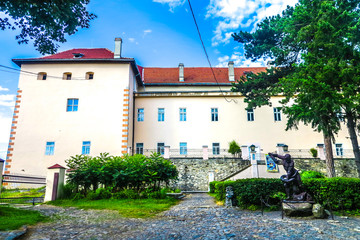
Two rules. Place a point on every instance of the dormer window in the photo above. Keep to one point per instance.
(42, 76)
(67, 76)
(89, 75)
(78, 55)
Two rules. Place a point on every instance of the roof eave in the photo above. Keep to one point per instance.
(19, 62)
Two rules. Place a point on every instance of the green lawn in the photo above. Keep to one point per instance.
(132, 208)
(13, 218)
(11, 193)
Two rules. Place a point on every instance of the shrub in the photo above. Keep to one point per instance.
(234, 148)
(314, 152)
(311, 174)
(337, 193)
(103, 193)
(126, 193)
(68, 191)
(212, 186)
(92, 196)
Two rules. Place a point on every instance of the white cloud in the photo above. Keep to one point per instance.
(131, 39)
(172, 3)
(7, 100)
(5, 125)
(240, 61)
(235, 14)
(3, 89)
(147, 31)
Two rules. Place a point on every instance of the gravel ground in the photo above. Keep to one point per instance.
(196, 217)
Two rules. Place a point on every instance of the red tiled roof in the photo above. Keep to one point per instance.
(194, 74)
(55, 166)
(88, 53)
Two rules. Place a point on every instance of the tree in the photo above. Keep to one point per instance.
(234, 148)
(46, 22)
(315, 51)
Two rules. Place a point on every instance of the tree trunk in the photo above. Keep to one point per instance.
(329, 159)
(354, 141)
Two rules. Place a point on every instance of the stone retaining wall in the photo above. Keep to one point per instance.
(343, 167)
(194, 173)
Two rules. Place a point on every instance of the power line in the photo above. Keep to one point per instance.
(207, 56)
(34, 73)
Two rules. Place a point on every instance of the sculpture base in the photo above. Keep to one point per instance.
(297, 209)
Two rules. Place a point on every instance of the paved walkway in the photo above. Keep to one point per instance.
(197, 217)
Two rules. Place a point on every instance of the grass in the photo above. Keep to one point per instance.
(12, 193)
(13, 218)
(131, 208)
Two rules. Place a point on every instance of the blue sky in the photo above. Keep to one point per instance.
(157, 33)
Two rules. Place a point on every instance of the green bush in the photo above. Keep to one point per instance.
(314, 152)
(103, 193)
(311, 174)
(92, 196)
(337, 193)
(126, 193)
(212, 186)
(136, 172)
(68, 191)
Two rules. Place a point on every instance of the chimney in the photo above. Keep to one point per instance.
(181, 72)
(231, 71)
(117, 52)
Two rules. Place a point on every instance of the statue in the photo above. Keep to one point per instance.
(229, 196)
(292, 178)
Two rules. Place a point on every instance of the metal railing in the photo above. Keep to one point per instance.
(193, 153)
(22, 200)
(24, 179)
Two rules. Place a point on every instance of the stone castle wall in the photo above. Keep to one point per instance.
(343, 167)
(194, 173)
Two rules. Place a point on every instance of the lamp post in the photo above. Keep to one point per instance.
(254, 166)
(286, 148)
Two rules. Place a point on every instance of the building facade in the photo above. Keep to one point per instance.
(89, 101)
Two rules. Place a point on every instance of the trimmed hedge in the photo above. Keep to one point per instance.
(339, 193)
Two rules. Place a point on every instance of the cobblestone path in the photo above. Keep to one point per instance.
(197, 217)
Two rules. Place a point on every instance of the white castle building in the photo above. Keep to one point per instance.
(89, 101)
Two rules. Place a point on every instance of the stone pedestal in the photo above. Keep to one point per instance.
(254, 168)
(167, 152)
(297, 209)
(244, 152)
(205, 152)
(54, 181)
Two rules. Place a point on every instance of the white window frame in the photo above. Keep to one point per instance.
(339, 149)
(140, 114)
(50, 148)
(183, 148)
(72, 107)
(250, 115)
(139, 148)
(85, 149)
(214, 114)
(216, 148)
(160, 148)
(161, 114)
(277, 114)
(182, 112)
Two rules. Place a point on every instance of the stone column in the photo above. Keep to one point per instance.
(54, 181)
(205, 152)
(244, 152)
(321, 151)
(254, 168)
(167, 152)
(211, 178)
(2, 162)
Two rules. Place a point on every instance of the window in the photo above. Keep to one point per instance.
(67, 76)
(160, 148)
(161, 114)
(214, 115)
(72, 104)
(216, 148)
(182, 114)
(340, 116)
(50, 146)
(183, 148)
(89, 75)
(277, 114)
(139, 148)
(42, 76)
(140, 115)
(250, 115)
(339, 149)
(85, 148)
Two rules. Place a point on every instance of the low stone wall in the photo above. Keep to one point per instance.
(343, 167)
(194, 172)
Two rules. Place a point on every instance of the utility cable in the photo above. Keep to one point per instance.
(207, 56)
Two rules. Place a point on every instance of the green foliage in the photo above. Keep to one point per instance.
(334, 193)
(339, 193)
(314, 152)
(135, 173)
(311, 174)
(45, 22)
(234, 148)
(212, 186)
(13, 218)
